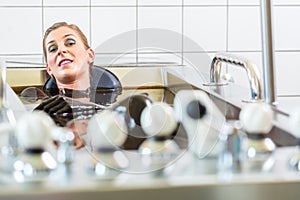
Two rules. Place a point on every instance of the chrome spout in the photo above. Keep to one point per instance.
(251, 70)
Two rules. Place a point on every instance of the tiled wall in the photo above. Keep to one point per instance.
(174, 30)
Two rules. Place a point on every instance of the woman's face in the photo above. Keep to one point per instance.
(67, 57)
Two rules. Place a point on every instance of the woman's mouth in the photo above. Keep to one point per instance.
(64, 62)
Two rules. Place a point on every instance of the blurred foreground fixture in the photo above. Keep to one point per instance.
(257, 122)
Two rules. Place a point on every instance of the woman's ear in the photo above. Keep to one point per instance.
(91, 55)
(48, 69)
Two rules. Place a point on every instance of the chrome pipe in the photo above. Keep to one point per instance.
(267, 52)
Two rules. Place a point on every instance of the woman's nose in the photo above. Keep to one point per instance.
(62, 51)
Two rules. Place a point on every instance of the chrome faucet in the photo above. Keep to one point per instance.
(251, 69)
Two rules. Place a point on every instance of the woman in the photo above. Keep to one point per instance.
(68, 59)
(68, 56)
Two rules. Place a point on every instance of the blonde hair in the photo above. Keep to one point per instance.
(64, 24)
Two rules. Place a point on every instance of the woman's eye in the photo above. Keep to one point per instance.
(70, 42)
(52, 48)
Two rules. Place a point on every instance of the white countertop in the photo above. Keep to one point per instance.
(187, 175)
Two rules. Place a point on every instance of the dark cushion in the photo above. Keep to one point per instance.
(105, 86)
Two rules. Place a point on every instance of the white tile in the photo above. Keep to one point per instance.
(17, 37)
(205, 2)
(286, 2)
(113, 2)
(200, 62)
(196, 68)
(239, 76)
(20, 3)
(244, 2)
(159, 2)
(286, 29)
(244, 30)
(205, 28)
(77, 16)
(159, 40)
(287, 73)
(66, 3)
(113, 29)
(253, 57)
(114, 59)
(160, 28)
(160, 17)
(171, 58)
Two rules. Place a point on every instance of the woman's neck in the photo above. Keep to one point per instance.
(77, 84)
(73, 86)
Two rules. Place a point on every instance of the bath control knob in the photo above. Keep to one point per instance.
(294, 122)
(33, 130)
(108, 129)
(159, 149)
(257, 118)
(257, 121)
(158, 119)
(201, 119)
(196, 109)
